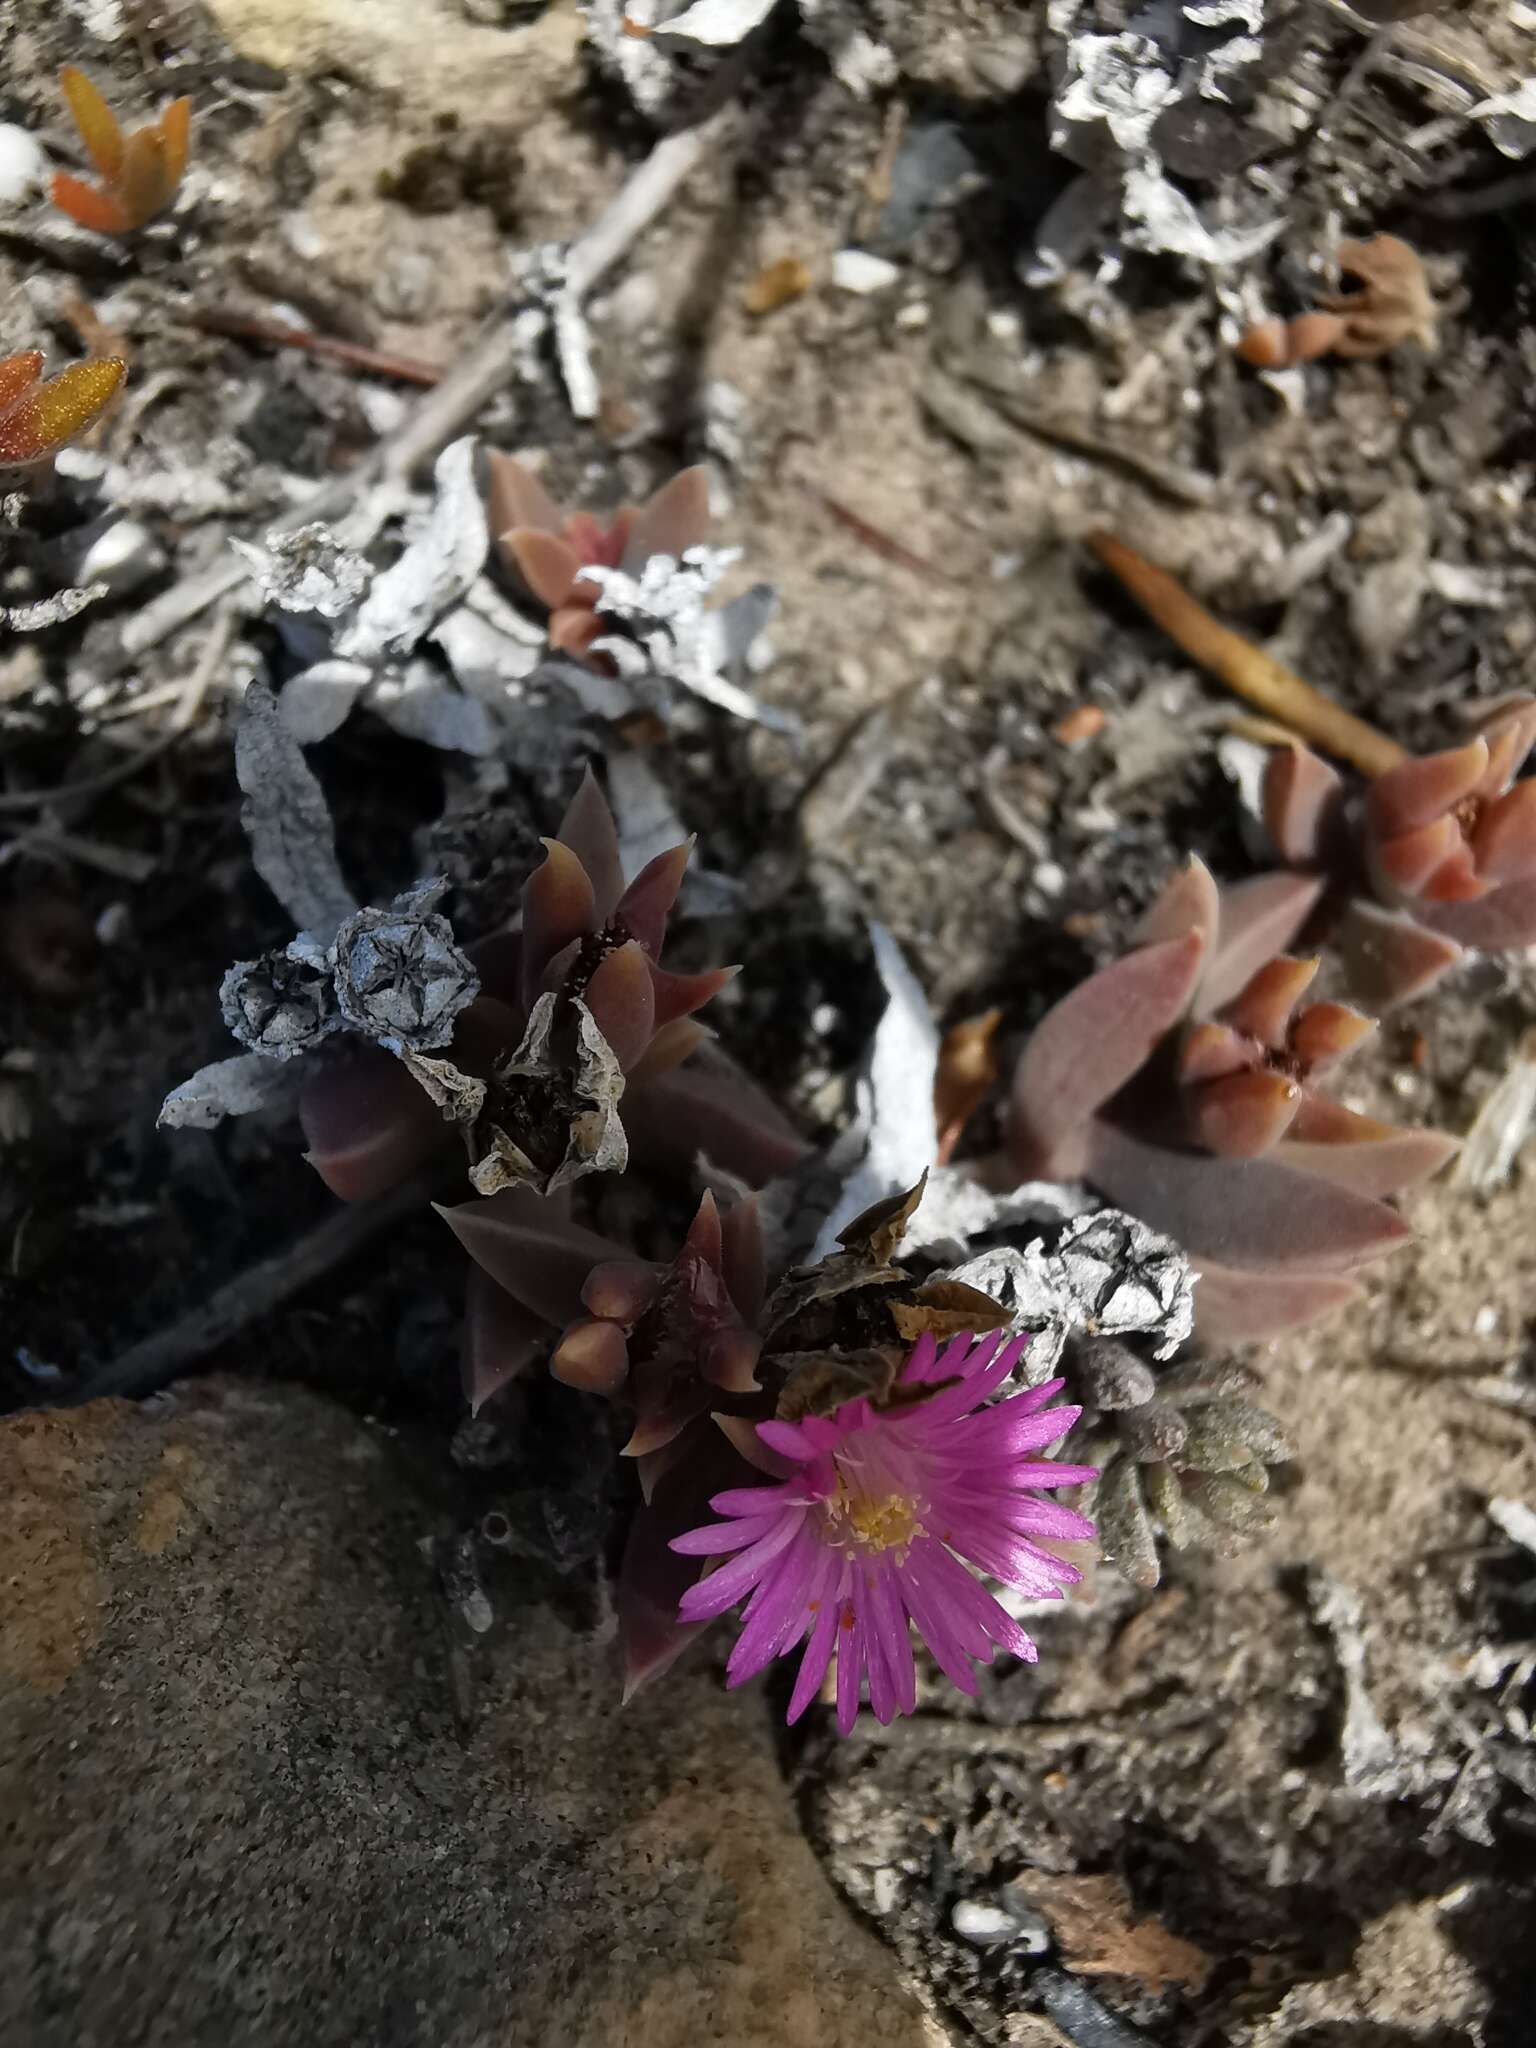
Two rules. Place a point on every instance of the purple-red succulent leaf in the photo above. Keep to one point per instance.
(1233, 1307)
(669, 1047)
(1499, 922)
(1376, 1166)
(501, 1339)
(1240, 1116)
(1259, 918)
(711, 1108)
(704, 1233)
(1387, 958)
(592, 1354)
(1326, 1033)
(559, 910)
(588, 829)
(1414, 795)
(531, 1249)
(622, 1000)
(679, 995)
(546, 563)
(1303, 801)
(1404, 865)
(515, 497)
(1210, 1050)
(743, 1259)
(620, 1289)
(367, 1124)
(1241, 1212)
(653, 1577)
(1263, 1008)
(1188, 902)
(647, 903)
(674, 518)
(1084, 1050)
(1504, 841)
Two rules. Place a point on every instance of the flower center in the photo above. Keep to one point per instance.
(866, 1524)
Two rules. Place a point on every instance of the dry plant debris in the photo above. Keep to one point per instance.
(1393, 305)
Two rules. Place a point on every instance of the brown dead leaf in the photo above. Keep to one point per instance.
(966, 1072)
(943, 1308)
(1099, 1935)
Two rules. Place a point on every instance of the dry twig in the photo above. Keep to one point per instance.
(1245, 669)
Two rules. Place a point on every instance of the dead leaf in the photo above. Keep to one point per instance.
(967, 1071)
(1099, 1935)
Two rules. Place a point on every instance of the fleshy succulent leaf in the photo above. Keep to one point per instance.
(1258, 919)
(622, 999)
(1085, 1049)
(646, 904)
(528, 1247)
(1248, 1213)
(1388, 959)
(1303, 805)
(1189, 902)
(500, 1340)
(674, 518)
(588, 830)
(1375, 1167)
(1424, 789)
(1234, 1307)
(559, 909)
(1240, 1116)
(1263, 1007)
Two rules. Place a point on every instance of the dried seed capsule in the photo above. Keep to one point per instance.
(1110, 1375)
(1153, 1433)
(1125, 1531)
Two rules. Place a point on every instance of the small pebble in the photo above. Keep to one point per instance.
(855, 270)
(776, 285)
(23, 165)
(983, 1924)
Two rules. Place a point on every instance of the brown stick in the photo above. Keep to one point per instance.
(404, 369)
(1245, 669)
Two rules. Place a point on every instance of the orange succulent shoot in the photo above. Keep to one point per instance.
(546, 548)
(38, 418)
(139, 171)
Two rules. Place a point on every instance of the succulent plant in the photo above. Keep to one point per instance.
(1181, 1082)
(38, 416)
(140, 171)
(546, 549)
(1436, 857)
(1184, 1448)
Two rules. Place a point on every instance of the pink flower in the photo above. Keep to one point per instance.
(873, 1512)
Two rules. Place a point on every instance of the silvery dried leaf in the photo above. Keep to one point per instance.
(718, 24)
(434, 571)
(425, 704)
(308, 570)
(460, 1096)
(315, 703)
(51, 611)
(537, 1080)
(1372, 1766)
(1510, 119)
(1119, 81)
(286, 819)
(958, 1208)
(400, 974)
(284, 1003)
(487, 659)
(232, 1087)
(893, 1139)
(667, 632)
(1502, 1124)
(1024, 1284)
(1170, 222)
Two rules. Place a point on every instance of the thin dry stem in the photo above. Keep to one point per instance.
(1245, 669)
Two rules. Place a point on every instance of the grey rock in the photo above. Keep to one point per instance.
(260, 1789)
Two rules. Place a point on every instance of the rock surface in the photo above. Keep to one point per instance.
(251, 1792)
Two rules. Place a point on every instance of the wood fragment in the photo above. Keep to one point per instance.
(252, 1295)
(1246, 669)
(1117, 451)
(374, 362)
(882, 543)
